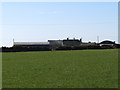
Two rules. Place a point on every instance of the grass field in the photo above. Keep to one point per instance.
(61, 69)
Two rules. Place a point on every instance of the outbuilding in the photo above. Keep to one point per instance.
(107, 42)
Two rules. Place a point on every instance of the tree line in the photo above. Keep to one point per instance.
(38, 48)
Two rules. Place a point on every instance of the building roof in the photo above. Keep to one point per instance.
(54, 40)
(31, 43)
(72, 40)
(107, 42)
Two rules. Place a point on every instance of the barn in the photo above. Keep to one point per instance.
(32, 44)
(107, 42)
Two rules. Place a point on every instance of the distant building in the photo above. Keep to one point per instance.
(55, 43)
(107, 42)
(72, 42)
(32, 44)
(88, 43)
(66, 42)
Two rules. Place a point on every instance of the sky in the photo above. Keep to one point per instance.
(42, 21)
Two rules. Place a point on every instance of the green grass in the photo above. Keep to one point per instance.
(61, 69)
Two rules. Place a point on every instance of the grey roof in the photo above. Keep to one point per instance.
(107, 42)
(54, 40)
(31, 43)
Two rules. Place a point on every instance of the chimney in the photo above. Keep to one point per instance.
(80, 39)
(67, 38)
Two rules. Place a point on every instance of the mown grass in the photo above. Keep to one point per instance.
(61, 69)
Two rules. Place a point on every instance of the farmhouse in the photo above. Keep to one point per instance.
(72, 42)
(65, 42)
(55, 43)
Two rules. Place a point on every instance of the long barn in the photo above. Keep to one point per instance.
(32, 44)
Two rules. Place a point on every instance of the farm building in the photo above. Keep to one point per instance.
(55, 43)
(32, 44)
(88, 43)
(65, 42)
(72, 42)
(51, 43)
(107, 42)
